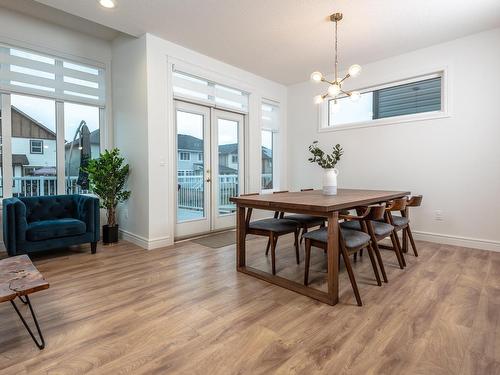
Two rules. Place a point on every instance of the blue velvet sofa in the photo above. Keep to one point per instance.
(50, 222)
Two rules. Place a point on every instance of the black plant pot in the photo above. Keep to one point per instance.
(109, 234)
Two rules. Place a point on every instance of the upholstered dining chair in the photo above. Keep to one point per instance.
(305, 222)
(402, 222)
(273, 228)
(378, 230)
(350, 241)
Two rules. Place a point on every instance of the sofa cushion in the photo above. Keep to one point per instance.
(50, 207)
(47, 229)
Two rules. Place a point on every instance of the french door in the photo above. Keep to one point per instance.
(209, 167)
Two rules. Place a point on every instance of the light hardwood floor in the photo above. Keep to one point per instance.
(186, 310)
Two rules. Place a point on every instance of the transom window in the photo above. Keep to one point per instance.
(401, 100)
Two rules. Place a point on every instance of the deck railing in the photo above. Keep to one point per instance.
(190, 192)
(34, 186)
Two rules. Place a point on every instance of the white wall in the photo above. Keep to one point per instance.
(454, 162)
(131, 131)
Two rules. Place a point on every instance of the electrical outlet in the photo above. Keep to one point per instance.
(438, 215)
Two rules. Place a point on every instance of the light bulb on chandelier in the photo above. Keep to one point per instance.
(335, 88)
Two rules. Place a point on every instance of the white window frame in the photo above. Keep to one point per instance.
(181, 153)
(41, 146)
(443, 72)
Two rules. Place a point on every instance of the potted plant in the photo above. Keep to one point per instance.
(107, 176)
(328, 163)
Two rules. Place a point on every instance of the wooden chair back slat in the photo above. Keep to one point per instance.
(414, 201)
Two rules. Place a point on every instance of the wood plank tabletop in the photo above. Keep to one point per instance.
(315, 200)
(19, 277)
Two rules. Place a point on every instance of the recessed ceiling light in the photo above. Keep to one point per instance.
(107, 3)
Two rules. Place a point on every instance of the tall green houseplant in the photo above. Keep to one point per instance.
(108, 175)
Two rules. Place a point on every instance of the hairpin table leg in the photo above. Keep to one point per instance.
(40, 344)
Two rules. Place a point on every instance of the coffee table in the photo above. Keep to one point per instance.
(19, 278)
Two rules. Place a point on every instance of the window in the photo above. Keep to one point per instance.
(187, 86)
(82, 143)
(269, 141)
(200, 156)
(234, 159)
(267, 159)
(399, 100)
(36, 146)
(33, 139)
(184, 156)
(50, 104)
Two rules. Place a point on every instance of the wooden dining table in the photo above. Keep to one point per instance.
(310, 203)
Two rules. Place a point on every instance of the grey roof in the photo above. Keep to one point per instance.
(188, 142)
(18, 159)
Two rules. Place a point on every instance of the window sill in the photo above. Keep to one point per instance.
(386, 121)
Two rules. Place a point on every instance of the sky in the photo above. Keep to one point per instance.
(44, 111)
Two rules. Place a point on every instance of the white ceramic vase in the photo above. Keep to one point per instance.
(330, 181)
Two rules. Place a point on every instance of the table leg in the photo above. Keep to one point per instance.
(240, 237)
(333, 257)
(40, 344)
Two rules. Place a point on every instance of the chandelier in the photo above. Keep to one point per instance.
(335, 89)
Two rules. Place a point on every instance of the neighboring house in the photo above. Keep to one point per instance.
(190, 157)
(34, 155)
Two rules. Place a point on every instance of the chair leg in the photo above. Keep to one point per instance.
(297, 255)
(380, 262)
(93, 247)
(307, 261)
(268, 246)
(400, 248)
(410, 236)
(347, 263)
(355, 256)
(361, 252)
(273, 240)
(374, 264)
(304, 231)
(405, 241)
(397, 250)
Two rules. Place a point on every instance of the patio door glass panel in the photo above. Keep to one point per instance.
(193, 166)
(227, 137)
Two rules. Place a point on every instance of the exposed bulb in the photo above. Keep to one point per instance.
(107, 3)
(316, 76)
(355, 96)
(318, 99)
(334, 90)
(354, 70)
(335, 107)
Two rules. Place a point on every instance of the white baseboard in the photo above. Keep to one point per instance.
(145, 243)
(446, 239)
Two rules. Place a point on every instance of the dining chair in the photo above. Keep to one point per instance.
(350, 241)
(306, 222)
(272, 228)
(378, 230)
(402, 222)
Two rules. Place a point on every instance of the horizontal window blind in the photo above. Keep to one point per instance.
(270, 116)
(186, 86)
(410, 98)
(27, 72)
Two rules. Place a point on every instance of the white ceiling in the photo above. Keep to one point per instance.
(284, 40)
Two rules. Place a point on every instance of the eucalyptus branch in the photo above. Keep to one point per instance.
(325, 160)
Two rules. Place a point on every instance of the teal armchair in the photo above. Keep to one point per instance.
(40, 223)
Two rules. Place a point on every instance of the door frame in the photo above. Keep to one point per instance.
(212, 221)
